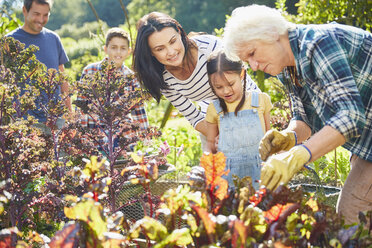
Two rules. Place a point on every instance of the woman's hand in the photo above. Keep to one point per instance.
(275, 141)
(280, 168)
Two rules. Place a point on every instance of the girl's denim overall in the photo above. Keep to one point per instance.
(239, 138)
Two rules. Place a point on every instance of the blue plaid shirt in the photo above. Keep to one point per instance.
(334, 71)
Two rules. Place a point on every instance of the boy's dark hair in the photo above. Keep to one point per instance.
(28, 3)
(149, 69)
(218, 63)
(117, 32)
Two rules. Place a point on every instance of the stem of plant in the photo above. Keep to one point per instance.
(336, 166)
(175, 151)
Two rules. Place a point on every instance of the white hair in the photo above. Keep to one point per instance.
(253, 22)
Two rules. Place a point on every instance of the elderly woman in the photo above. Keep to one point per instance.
(327, 70)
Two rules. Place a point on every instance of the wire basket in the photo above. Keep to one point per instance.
(135, 202)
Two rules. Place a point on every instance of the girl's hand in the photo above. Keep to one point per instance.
(202, 127)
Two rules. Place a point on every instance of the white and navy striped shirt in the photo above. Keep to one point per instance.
(181, 93)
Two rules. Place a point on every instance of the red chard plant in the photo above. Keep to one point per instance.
(28, 157)
(214, 216)
(107, 97)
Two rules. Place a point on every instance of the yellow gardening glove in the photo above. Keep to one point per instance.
(275, 141)
(280, 168)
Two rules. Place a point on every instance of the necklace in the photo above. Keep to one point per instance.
(293, 75)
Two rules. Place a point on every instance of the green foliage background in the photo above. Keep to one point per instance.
(194, 15)
(82, 36)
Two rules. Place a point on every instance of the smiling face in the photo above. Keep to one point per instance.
(36, 18)
(227, 86)
(117, 50)
(269, 57)
(167, 47)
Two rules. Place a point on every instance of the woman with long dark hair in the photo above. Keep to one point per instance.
(170, 63)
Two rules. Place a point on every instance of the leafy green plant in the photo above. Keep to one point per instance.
(211, 214)
(92, 226)
(181, 138)
(29, 158)
(9, 24)
(85, 31)
(78, 48)
(332, 169)
(354, 13)
(240, 217)
(108, 97)
(185, 146)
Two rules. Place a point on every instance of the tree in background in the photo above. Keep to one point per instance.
(354, 12)
(69, 12)
(138, 8)
(8, 7)
(196, 15)
(78, 12)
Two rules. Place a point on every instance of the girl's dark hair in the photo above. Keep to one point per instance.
(149, 70)
(218, 63)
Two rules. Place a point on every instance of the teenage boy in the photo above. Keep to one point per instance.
(117, 49)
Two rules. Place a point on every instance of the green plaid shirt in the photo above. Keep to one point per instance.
(334, 68)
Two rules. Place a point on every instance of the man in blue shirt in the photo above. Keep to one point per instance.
(327, 70)
(51, 52)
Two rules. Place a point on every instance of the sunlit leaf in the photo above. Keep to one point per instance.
(192, 223)
(257, 197)
(93, 166)
(274, 213)
(221, 191)
(67, 237)
(131, 169)
(214, 166)
(36, 237)
(209, 224)
(90, 212)
(135, 181)
(112, 239)
(313, 204)
(136, 158)
(71, 198)
(239, 234)
(153, 229)
(179, 237)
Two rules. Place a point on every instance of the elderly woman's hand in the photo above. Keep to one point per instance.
(275, 141)
(280, 168)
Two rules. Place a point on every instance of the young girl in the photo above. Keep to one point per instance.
(239, 118)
